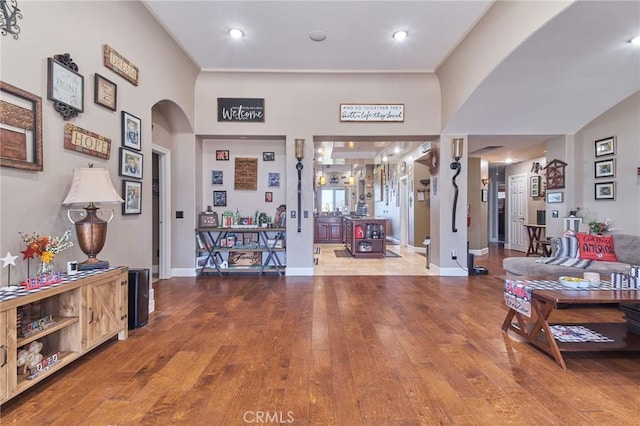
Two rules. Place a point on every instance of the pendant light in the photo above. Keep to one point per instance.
(323, 179)
(352, 179)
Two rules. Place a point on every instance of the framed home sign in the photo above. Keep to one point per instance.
(65, 87)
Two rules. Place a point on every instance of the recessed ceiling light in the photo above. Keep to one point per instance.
(400, 35)
(317, 35)
(236, 33)
(635, 40)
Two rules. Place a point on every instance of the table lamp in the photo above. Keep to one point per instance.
(91, 186)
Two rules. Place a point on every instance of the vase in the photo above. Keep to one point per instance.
(45, 268)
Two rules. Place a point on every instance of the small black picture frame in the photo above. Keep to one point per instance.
(222, 155)
(217, 177)
(605, 191)
(131, 131)
(606, 146)
(268, 197)
(268, 156)
(130, 163)
(220, 198)
(605, 168)
(132, 195)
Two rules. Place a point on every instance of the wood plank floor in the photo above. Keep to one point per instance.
(334, 350)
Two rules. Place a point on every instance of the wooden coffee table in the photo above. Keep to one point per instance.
(544, 302)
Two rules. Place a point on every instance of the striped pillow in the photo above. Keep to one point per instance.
(567, 246)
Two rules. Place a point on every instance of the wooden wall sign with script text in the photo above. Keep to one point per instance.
(87, 142)
(246, 174)
(372, 112)
(241, 109)
(120, 65)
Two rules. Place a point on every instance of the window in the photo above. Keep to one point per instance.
(333, 199)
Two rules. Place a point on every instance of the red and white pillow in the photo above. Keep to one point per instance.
(596, 247)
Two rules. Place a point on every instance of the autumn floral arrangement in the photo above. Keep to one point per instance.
(45, 247)
(599, 227)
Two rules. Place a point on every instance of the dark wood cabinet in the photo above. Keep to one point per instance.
(328, 229)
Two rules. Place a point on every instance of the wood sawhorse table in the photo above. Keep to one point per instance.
(544, 302)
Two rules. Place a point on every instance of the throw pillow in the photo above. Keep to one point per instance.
(567, 246)
(596, 247)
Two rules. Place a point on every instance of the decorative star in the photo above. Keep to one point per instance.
(8, 260)
(27, 253)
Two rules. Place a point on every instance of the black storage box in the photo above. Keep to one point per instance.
(138, 297)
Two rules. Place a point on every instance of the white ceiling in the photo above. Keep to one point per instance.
(566, 74)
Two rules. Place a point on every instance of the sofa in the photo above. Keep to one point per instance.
(627, 252)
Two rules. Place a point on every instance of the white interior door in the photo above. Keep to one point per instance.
(517, 212)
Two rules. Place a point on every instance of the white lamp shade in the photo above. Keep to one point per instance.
(91, 185)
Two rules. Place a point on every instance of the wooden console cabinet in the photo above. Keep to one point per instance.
(328, 229)
(87, 309)
(365, 237)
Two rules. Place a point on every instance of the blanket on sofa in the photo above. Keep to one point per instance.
(574, 262)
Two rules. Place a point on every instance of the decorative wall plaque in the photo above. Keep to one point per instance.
(555, 174)
(87, 142)
(246, 174)
(120, 65)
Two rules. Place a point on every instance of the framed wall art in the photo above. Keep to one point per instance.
(20, 129)
(534, 186)
(605, 168)
(65, 86)
(132, 194)
(274, 180)
(130, 163)
(222, 155)
(217, 177)
(131, 131)
(219, 198)
(606, 146)
(246, 174)
(605, 191)
(554, 197)
(105, 92)
(268, 156)
(268, 197)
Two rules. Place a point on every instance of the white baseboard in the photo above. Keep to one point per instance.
(480, 252)
(183, 272)
(448, 272)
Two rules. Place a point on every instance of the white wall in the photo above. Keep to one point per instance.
(307, 105)
(621, 121)
(31, 201)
